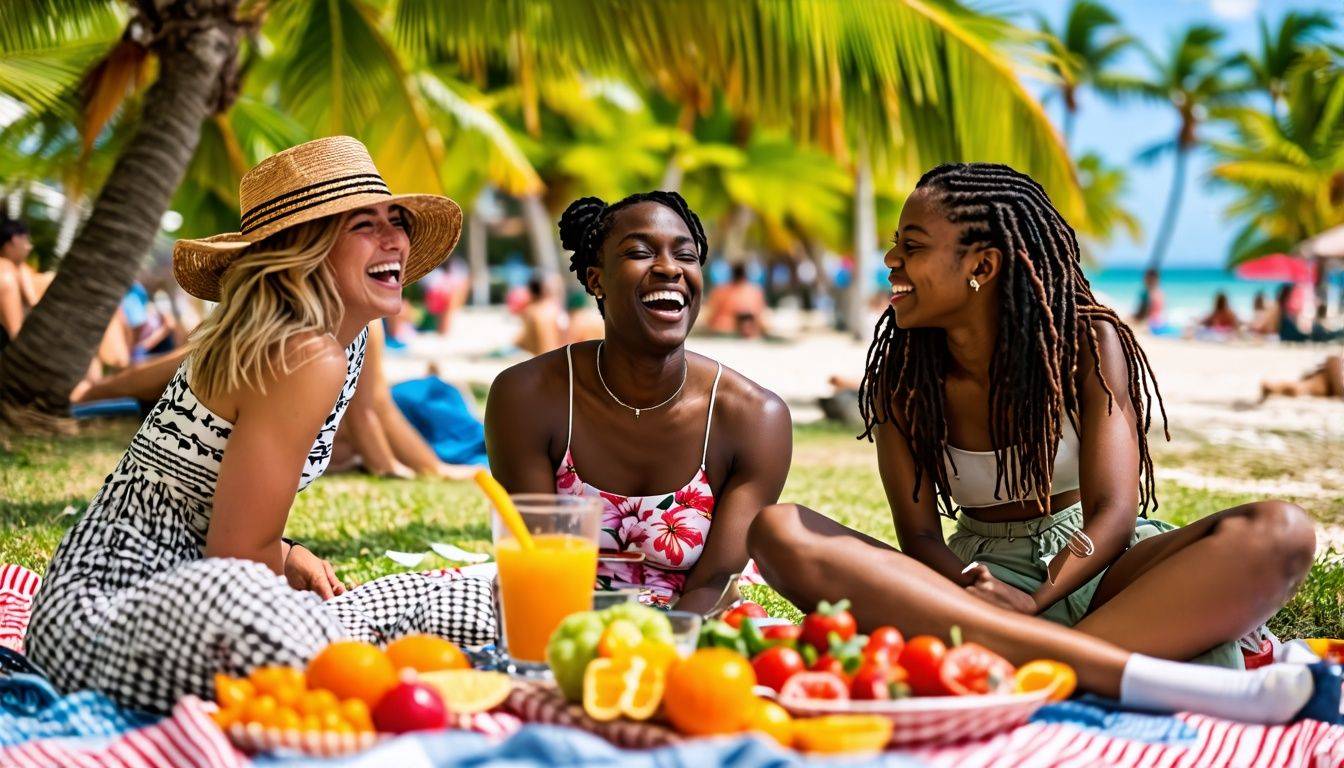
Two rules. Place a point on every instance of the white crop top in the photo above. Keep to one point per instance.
(972, 483)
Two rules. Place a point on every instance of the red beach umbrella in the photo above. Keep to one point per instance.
(1278, 268)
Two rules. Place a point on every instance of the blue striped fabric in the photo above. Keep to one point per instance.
(81, 714)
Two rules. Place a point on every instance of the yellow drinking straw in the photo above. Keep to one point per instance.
(507, 511)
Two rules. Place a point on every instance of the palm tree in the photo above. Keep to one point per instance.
(341, 75)
(893, 86)
(1104, 188)
(194, 43)
(1085, 52)
(1269, 67)
(1191, 78)
(1287, 172)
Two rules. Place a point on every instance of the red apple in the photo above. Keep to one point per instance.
(410, 706)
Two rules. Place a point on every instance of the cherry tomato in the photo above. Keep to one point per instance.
(814, 685)
(774, 666)
(828, 663)
(972, 670)
(923, 661)
(782, 633)
(870, 682)
(818, 625)
(888, 639)
(744, 610)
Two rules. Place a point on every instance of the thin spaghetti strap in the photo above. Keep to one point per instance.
(569, 363)
(709, 420)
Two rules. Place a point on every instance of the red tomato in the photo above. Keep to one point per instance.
(923, 661)
(786, 633)
(870, 683)
(814, 685)
(744, 610)
(774, 666)
(818, 625)
(828, 663)
(971, 670)
(887, 639)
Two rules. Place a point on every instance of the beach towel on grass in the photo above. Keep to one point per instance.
(437, 411)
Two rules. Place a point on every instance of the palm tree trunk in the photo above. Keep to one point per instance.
(1070, 117)
(865, 237)
(1162, 239)
(541, 231)
(735, 232)
(196, 45)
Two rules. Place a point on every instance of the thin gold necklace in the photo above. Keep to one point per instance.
(685, 369)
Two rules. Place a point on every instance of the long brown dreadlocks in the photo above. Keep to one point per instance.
(1047, 310)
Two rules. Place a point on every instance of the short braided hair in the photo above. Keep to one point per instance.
(585, 224)
(1047, 312)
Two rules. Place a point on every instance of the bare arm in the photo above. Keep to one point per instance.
(11, 303)
(1108, 470)
(759, 469)
(517, 440)
(917, 523)
(263, 461)
(143, 382)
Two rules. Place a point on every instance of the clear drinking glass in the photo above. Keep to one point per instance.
(538, 588)
(685, 631)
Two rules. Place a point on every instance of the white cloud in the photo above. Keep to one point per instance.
(1234, 10)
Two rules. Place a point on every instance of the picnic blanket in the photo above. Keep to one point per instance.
(86, 729)
(440, 414)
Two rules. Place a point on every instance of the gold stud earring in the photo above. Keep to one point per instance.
(975, 285)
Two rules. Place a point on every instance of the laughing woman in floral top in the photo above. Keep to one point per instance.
(630, 417)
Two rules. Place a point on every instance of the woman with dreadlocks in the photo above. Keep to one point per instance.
(625, 419)
(997, 385)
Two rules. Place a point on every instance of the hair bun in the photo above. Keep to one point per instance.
(577, 219)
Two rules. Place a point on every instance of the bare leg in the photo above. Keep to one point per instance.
(809, 557)
(1207, 583)
(1334, 376)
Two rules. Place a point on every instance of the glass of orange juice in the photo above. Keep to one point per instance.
(540, 587)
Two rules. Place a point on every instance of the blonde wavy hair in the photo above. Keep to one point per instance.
(278, 288)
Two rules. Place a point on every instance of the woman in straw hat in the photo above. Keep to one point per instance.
(178, 571)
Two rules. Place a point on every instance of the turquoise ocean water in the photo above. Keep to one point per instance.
(1189, 292)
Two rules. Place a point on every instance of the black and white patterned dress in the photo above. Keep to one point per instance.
(130, 605)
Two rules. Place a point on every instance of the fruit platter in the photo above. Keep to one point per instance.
(353, 694)
(818, 686)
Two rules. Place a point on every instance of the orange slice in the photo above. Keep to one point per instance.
(467, 691)
(842, 734)
(1054, 676)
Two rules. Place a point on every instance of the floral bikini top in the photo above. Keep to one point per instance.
(669, 529)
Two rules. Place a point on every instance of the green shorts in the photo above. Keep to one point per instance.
(1018, 553)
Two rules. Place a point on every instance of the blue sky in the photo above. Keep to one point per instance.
(1118, 132)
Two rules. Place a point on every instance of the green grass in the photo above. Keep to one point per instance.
(353, 519)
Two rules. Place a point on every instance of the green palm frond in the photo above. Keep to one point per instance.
(922, 82)
(470, 122)
(27, 25)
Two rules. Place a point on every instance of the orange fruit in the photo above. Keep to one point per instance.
(232, 691)
(1054, 676)
(284, 719)
(316, 702)
(259, 710)
(840, 734)
(771, 719)
(352, 670)
(426, 653)
(356, 713)
(225, 717)
(709, 692)
(466, 691)
(310, 723)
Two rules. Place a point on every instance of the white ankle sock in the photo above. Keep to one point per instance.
(1271, 694)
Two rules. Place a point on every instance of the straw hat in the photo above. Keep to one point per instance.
(320, 178)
